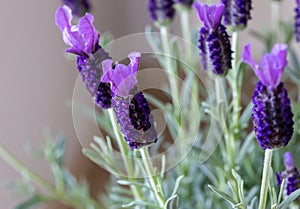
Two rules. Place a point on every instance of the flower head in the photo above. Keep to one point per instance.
(271, 66)
(272, 116)
(291, 175)
(161, 11)
(82, 38)
(214, 43)
(78, 7)
(122, 77)
(237, 13)
(210, 15)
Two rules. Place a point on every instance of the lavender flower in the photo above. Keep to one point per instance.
(237, 13)
(78, 7)
(297, 21)
(161, 11)
(83, 40)
(291, 175)
(130, 106)
(271, 113)
(214, 41)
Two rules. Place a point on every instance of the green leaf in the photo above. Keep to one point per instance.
(286, 203)
(172, 202)
(128, 183)
(140, 203)
(176, 186)
(32, 201)
(224, 196)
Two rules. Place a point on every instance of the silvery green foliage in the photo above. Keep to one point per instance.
(67, 189)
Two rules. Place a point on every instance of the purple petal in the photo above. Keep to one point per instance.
(248, 58)
(63, 17)
(271, 66)
(210, 15)
(123, 78)
(289, 161)
(82, 38)
(88, 32)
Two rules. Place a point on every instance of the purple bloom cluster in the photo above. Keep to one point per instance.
(271, 113)
(130, 106)
(78, 7)
(161, 11)
(297, 20)
(214, 42)
(83, 40)
(291, 175)
(237, 13)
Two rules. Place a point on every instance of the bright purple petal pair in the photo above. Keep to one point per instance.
(122, 77)
(82, 38)
(210, 15)
(271, 65)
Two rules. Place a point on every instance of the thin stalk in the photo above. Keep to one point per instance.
(186, 33)
(124, 152)
(155, 183)
(236, 88)
(24, 170)
(164, 31)
(275, 16)
(265, 179)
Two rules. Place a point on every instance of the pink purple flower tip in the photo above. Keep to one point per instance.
(122, 77)
(210, 15)
(82, 38)
(271, 66)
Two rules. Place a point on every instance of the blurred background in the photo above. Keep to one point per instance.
(37, 80)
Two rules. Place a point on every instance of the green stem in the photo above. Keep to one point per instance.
(236, 87)
(24, 170)
(153, 178)
(124, 152)
(275, 15)
(164, 31)
(265, 179)
(186, 33)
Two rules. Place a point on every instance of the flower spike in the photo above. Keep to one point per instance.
(272, 116)
(214, 44)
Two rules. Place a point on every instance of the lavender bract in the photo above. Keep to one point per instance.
(297, 21)
(271, 113)
(237, 13)
(291, 175)
(130, 106)
(214, 41)
(78, 7)
(161, 11)
(83, 40)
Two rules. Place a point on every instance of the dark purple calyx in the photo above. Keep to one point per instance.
(139, 112)
(161, 11)
(90, 70)
(215, 50)
(272, 116)
(103, 95)
(136, 122)
(237, 13)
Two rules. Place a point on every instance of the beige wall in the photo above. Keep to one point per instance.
(37, 80)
